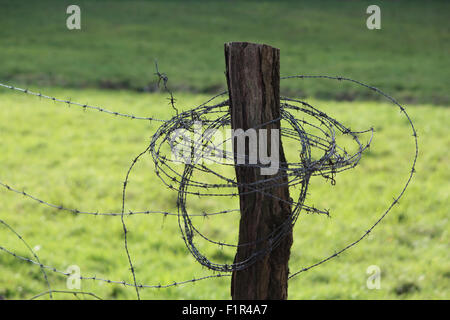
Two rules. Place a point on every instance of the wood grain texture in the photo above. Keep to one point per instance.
(253, 76)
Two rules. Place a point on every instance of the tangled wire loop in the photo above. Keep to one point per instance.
(217, 117)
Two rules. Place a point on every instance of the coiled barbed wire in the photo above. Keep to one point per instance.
(217, 116)
(333, 160)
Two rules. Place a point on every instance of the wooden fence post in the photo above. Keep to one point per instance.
(253, 76)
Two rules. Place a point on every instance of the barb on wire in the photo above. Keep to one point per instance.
(163, 77)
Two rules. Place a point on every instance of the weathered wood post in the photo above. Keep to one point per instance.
(253, 76)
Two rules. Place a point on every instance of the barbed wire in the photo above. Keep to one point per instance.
(95, 278)
(315, 132)
(11, 229)
(299, 172)
(403, 190)
(75, 293)
(85, 106)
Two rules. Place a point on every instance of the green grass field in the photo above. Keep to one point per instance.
(79, 159)
(119, 41)
(65, 155)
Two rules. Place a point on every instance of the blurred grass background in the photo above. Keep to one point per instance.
(119, 41)
(80, 159)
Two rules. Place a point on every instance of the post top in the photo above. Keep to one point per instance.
(247, 44)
